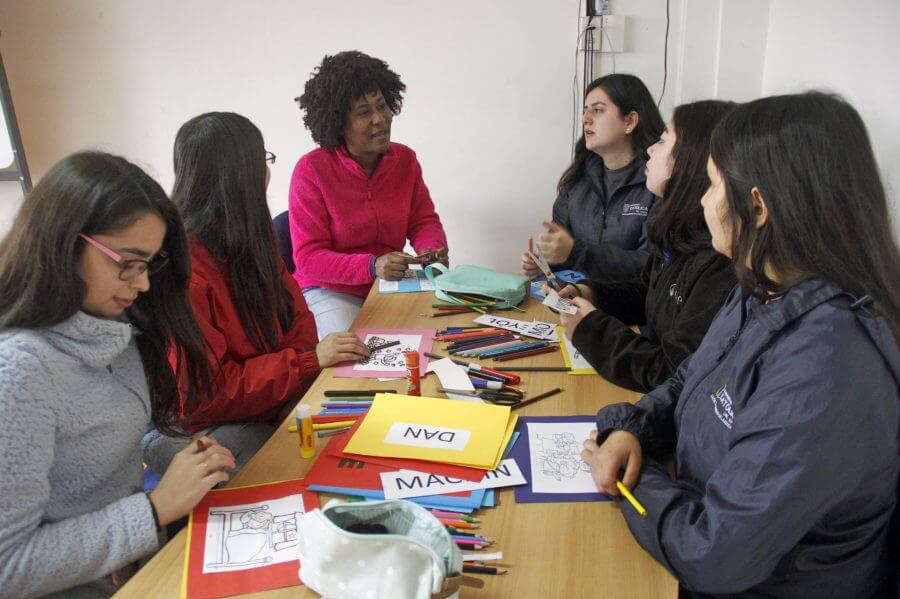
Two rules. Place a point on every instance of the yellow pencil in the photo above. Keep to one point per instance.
(631, 498)
(326, 426)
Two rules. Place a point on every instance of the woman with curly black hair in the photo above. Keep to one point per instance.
(357, 199)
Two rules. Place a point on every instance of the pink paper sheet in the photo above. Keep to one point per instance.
(425, 345)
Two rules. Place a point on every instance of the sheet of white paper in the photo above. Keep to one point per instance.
(560, 304)
(556, 464)
(390, 358)
(240, 537)
(388, 286)
(535, 328)
(481, 557)
(453, 376)
(578, 361)
(410, 483)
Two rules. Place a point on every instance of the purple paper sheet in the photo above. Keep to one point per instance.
(521, 454)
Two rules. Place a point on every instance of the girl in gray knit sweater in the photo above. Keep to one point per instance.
(93, 279)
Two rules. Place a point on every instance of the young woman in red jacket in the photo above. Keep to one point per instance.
(262, 340)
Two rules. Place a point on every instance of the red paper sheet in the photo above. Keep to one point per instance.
(279, 532)
(338, 442)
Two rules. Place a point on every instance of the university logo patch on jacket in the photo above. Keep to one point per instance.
(635, 209)
(723, 406)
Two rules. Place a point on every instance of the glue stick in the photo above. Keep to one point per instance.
(305, 428)
(412, 373)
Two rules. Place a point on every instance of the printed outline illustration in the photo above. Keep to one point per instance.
(234, 528)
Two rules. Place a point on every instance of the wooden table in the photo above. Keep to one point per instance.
(553, 549)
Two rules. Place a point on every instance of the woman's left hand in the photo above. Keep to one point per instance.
(571, 321)
(428, 256)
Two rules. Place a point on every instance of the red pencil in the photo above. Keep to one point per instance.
(525, 354)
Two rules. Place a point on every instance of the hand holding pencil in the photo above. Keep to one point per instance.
(620, 451)
(392, 266)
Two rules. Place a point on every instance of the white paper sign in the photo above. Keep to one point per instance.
(240, 537)
(410, 483)
(453, 376)
(578, 361)
(423, 435)
(556, 464)
(536, 328)
(560, 304)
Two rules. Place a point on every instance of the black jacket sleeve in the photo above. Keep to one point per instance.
(651, 419)
(624, 300)
(636, 362)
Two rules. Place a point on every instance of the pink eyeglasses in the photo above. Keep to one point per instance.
(131, 269)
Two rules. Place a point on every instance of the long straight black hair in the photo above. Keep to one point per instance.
(810, 157)
(220, 188)
(629, 94)
(96, 193)
(677, 224)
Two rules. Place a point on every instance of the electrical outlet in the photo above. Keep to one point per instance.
(608, 33)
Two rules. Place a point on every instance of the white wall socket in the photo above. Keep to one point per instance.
(608, 33)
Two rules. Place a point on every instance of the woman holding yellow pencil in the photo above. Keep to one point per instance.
(784, 422)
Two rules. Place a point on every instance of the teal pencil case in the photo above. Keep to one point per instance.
(506, 289)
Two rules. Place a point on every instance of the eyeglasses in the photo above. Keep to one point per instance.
(270, 157)
(131, 269)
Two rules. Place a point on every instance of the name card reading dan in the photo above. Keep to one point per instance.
(411, 483)
(430, 436)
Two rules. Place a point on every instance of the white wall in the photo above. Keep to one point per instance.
(489, 100)
(487, 105)
(819, 44)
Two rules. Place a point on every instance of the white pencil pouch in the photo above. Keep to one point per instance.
(391, 549)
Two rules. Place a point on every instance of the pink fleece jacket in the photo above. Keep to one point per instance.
(340, 218)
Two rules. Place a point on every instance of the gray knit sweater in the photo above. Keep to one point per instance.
(74, 404)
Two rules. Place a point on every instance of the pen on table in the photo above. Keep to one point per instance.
(631, 498)
(538, 397)
(472, 366)
(483, 570)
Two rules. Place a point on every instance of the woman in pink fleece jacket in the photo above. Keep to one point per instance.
(357, 199)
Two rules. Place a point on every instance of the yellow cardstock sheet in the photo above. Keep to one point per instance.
(433, 429)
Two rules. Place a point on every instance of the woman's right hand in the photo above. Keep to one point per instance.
(392, 266)
(529, 268)
(620, 451)
(192, 473)
(579, 290)
(340, 347)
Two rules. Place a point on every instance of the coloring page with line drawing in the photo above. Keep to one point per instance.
(556, 464)
(240, 537)
(390, 359)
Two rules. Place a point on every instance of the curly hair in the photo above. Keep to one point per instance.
(335, 84)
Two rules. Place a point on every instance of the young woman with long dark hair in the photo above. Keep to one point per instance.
(93, 288)
(682, 286)
(784, 422)
(263, 348)
(599, 222)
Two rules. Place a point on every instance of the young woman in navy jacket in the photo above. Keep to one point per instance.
(784, 422)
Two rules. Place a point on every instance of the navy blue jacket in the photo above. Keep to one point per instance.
(610, 234)
(784, 425)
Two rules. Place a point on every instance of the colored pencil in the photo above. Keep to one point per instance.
(544, 395)
(525, 354)
(472, 366)
(332, 432)
(383, 346)
(457, 523)
(356, 392)
(462, 517)
(631, 499)
(536, 369)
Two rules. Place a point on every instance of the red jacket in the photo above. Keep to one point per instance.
(340, 219)
(252, 386)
